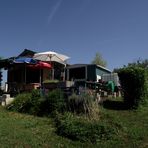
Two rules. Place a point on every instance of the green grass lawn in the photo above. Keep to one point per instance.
(134, 125)
(19, 130)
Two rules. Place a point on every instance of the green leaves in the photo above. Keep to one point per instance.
(78, 128)
(134, 84)
(98, 60)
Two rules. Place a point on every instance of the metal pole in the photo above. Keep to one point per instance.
(40, 77)
(25, 73)
(64, 72)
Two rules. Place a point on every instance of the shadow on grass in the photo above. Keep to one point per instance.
(114, 105)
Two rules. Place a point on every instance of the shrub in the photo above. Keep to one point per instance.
(50, 81)
(134, 85)
(35, 104)
(36, 101)
(78, 128)
(54, 101)
(21, 103)
(83, 104)
(27, 103)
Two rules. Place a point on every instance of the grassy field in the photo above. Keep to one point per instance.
(19, 130)
(134, 125)
(25, 131)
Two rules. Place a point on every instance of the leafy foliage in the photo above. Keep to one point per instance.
(35, 104)
(98, 60)
(134, 84)
(77, 128)
(53, 102)
(0, 79)
(139, 63)
(50, 81)
(26, 103)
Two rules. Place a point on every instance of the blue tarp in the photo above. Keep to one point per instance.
(25, 60)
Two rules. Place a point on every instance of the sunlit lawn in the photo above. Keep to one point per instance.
(19, 130)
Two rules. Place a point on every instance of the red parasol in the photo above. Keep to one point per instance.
(40, 65)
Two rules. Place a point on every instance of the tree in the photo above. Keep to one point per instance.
(98, 60)
(0, 78)
(140, 63)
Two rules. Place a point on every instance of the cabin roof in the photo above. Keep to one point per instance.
(27, 53)
(83, 65)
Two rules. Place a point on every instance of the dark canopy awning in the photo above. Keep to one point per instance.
(6, 63)
(27, 53)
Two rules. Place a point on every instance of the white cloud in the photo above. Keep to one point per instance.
(54, 10)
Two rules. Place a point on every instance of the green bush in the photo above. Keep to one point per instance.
(83, 104)
(54, 101)
(134, 84)
(50, 81)
(79, 128)
(27, 103)
(35, 104)
(21, 103)
(36, 101)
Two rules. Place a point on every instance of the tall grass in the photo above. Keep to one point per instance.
(83, 104)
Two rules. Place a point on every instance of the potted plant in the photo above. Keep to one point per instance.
(50, 84)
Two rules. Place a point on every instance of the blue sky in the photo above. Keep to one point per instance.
(118, 29)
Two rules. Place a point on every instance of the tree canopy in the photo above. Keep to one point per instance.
(98, 60)
(140, 63)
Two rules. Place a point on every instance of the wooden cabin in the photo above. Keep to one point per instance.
(85, 72)
(21, 77)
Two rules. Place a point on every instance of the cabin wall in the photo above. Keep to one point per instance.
(91, 74)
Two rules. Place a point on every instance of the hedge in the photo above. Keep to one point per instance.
(134, 84)
(35, 104)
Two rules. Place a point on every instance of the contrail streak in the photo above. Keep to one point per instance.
(54, 10)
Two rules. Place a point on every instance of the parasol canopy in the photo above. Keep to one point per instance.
(40, 65)
(27, 60)
(51, 56)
